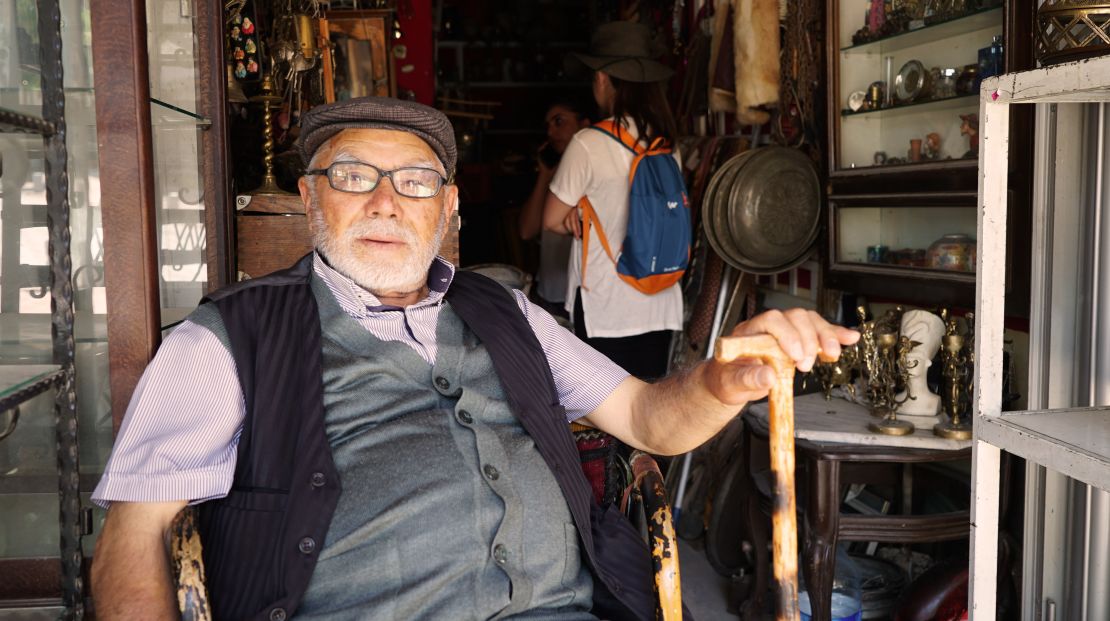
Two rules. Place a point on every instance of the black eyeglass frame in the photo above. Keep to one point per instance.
(388, 174)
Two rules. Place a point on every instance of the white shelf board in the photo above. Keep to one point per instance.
(1075, 442)
(1080, 81)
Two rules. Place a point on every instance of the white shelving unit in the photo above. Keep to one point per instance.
(1074, 441)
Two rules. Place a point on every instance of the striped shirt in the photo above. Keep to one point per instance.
(179, 437)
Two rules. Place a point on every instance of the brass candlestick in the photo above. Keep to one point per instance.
(890, 366)
(267, 98)
(955, 373)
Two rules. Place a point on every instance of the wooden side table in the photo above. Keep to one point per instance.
(832, 434)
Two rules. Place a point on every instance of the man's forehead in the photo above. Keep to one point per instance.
(366, 141)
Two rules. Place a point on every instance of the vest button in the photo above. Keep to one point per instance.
(442, 383)
(277, 614)
(307, 545)
(491, 473)
(500, 554)
(318, 479)
(465, 417)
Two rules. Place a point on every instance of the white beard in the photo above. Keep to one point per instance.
(374, 273)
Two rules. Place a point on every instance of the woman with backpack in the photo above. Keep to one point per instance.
(626, 312)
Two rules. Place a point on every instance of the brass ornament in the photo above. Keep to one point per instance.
(1072, 29)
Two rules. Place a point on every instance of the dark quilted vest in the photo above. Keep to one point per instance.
(260, 540)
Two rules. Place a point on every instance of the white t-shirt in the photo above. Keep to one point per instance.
(596, 166)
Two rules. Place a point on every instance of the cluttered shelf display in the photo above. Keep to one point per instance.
(888, 371)
(938, 238)
(285, 58)
(926, 111)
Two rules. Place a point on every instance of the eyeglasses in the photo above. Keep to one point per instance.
(360, 178)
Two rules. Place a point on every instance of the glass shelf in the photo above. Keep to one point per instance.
(197, 119)
(21, 382)
(960, 101)
(978, 20)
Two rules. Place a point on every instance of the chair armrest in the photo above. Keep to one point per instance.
(187, 566)
(648, 485)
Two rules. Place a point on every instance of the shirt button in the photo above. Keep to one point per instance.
(318, 479)
(465, 417)
(500, 554)
(307, 545)
(277, 614)
(491, 473)
(442, 383)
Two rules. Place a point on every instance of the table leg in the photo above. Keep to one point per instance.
(822, 520)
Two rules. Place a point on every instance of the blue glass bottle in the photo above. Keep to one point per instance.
(991, 60)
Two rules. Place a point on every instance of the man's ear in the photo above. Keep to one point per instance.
(450, 205)
(306, 199)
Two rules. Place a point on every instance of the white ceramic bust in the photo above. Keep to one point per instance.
(927, 329)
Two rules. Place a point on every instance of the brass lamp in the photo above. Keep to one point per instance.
(267, 98)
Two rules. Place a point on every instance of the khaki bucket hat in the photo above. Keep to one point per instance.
(624, 50)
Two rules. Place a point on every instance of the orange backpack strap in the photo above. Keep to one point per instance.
(589, 219)
(618, 133)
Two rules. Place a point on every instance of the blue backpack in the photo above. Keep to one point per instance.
(656, 247)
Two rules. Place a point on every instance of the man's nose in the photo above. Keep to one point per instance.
(382, 200)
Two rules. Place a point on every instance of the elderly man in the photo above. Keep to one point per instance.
(370, 434)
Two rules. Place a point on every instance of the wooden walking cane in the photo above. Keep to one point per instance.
(784, 518)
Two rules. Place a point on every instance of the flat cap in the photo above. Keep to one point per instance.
(431, 125)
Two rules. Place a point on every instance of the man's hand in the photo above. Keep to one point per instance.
(684, 410)
(803, 335)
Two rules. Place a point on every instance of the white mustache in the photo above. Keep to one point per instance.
(381, 228)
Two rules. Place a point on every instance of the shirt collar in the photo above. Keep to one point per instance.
(358, 302)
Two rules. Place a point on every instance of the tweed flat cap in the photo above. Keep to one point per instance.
(431, 125)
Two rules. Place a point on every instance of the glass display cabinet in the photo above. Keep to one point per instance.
(903, 143)
(906, 81)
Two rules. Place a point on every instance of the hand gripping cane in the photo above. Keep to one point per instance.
(784, 518)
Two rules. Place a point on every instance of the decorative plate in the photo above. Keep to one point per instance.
(912, 82)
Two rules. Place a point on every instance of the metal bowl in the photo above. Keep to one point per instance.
(764, 210)
(716, 205)
(713, 207)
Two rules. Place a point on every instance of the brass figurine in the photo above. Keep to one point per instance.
(957, 355)
(838, 373)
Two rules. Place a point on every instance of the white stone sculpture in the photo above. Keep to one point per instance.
(927, 329)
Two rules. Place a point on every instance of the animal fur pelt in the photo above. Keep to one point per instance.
(722, 72)
(756, 47)
(744, 61)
